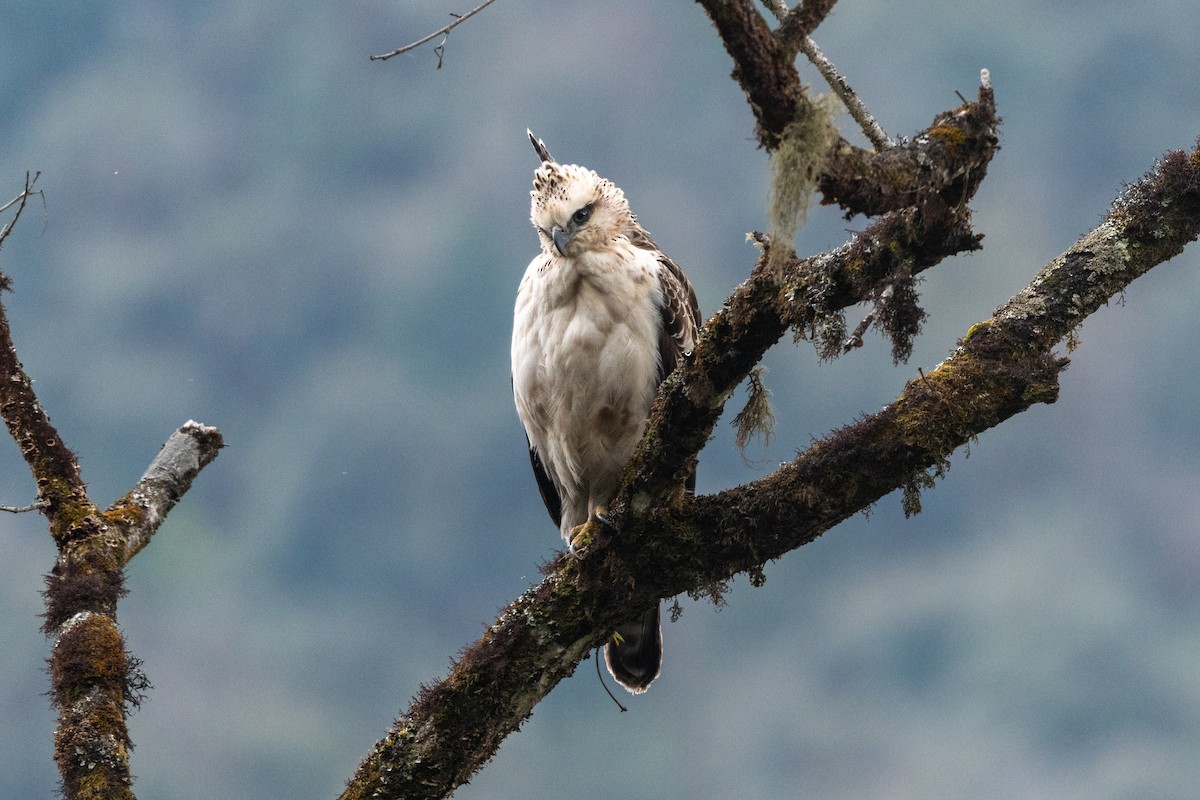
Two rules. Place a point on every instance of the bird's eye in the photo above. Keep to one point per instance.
(581, 216)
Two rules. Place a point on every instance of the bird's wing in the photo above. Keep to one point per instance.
(680, 314)
(680, 309)
(546, 486)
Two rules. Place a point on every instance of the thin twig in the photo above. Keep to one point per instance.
(841, 88)
(20, 201)
(856, 338)
(611, 696)
(458, 20)
(34, 506)
(801, 21)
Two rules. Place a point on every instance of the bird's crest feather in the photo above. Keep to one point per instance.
(539, 147)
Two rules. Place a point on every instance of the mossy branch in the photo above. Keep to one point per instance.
(942, 164)
(1001, 367)
(810, 298)
(93, 678)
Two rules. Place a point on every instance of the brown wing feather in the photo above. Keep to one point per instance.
(680, 309)
(680, 314)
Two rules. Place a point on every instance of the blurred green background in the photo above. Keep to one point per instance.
(250, 224)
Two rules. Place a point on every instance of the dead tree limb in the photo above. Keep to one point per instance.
(443, 31)
(93, 678)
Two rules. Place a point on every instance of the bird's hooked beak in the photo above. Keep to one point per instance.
(560, 239)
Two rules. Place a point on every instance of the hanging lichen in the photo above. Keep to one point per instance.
(756, 418)
(795, 169)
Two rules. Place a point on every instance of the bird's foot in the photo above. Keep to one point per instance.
(581, 538)
(583, 535)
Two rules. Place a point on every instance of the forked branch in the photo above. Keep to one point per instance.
(443, 31)
(93, 679)
(1001, 367)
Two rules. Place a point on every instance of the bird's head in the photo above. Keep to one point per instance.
(573, 209)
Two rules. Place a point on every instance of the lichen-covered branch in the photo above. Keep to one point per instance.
(944, 163)
(54, 466)
(92, 677)
(809, 300)
(1002, 367)
(937, 163)
(138, 514)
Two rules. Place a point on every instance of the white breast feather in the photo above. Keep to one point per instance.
(585, 355)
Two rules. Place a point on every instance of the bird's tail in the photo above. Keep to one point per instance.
(634, 654)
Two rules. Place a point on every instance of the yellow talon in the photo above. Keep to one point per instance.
(581, 537)
(585, 534)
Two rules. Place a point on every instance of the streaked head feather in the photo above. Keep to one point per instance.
(591, 211)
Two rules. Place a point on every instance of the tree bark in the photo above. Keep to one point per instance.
(92, 678)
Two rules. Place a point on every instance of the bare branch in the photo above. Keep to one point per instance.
(799, 23)
(790, 29)
(20, 201)
(143, 508)
(443, 31)
(856, 107)
(34, 506)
